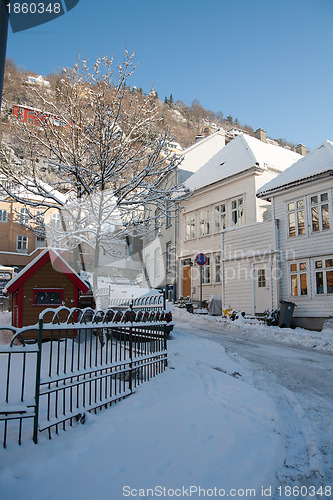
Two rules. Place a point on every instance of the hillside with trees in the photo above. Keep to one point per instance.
(180, 121)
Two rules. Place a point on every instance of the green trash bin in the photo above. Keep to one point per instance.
(286, 313)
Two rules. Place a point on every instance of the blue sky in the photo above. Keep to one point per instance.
(266, 62)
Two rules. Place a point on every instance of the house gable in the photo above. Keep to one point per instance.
(58, 264)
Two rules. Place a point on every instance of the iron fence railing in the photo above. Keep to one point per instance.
(91, 360)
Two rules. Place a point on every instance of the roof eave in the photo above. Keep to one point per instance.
(284, 187)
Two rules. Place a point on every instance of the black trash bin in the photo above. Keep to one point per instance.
(189, 307)
(286, 313)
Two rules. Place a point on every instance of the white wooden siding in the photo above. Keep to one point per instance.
(242, 249)
(304, 247)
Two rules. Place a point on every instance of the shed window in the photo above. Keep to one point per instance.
(48, 297)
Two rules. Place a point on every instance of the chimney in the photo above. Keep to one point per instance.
(301, 149)
(198, 138)
(260, 134)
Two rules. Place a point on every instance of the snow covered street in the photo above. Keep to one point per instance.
(299, 381)
(235, 414)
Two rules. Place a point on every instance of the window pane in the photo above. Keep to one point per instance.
(300, 219)
(241, 216)
(233, 204)
(314, 200)
(300, 204)
(315, 219)
(325, 217)
(329, 275)
(217, 268)
(324, 197)
(293, 267)
(292, 229)
(319, 264)
(48, 298)
(304, 287)
(291, 206)
(294, 288)
(302, 266)
(329, 262)
(261, 278)
(319, 283)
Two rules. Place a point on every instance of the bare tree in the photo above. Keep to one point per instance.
(100, 141)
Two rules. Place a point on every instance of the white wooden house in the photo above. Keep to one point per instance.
(224, 220)
(160, 250)
(302, 198)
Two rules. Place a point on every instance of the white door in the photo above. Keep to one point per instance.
(262, 287)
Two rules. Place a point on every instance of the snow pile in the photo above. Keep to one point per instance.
(199, 424)
(257, 329)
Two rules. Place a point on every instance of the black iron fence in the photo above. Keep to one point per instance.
(91, 360)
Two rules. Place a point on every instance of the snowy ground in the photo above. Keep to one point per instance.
(240, 407)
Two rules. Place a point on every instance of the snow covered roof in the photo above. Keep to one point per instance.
(48, 194)
(239, 155)
(202, 141)
(57, 261)
(318, 162)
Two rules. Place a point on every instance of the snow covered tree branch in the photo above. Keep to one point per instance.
(107, 167)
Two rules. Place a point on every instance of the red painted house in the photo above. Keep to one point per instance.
(48, 281)
(35, 116)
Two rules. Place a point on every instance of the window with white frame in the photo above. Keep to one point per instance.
(157, 221)
(56, 220)
(24, 215)
(22, 243)
(40, 216)
(320, 216)
(220, 219)
(217, 268)
(146, 266)
(237, 212)
(40, 242)
(168, 218)
(204, 226)
(190, 226)
(3, 216)
(262, 278)
(168, 256)
(206, 272)
(296, 220)
(157, 262)
(298, 279)
(324, 276)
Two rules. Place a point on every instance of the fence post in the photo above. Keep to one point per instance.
(37, 387)
(131, 358)
(165, 346)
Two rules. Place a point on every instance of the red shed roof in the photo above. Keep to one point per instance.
(58, 263)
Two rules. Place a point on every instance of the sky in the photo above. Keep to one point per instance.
(267, 63)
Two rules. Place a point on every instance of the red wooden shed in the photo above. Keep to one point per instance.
(48, 281)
